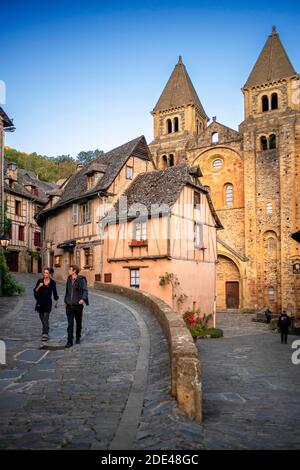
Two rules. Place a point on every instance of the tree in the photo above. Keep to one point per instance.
(89, 155)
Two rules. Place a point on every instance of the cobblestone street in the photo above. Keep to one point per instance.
(80, 398)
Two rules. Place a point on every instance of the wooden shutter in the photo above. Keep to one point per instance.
(75, 214)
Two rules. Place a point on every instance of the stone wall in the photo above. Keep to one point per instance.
(186, 378)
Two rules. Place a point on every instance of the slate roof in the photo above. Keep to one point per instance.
(160, 188)
(272, 64)
(112, 162)
(28, 178)
(179, 91)
(7, 122)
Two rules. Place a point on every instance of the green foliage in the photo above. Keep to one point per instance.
(9, 285)
(215, 332)
(198, 326)
(49, 169)
(7, 222)
(89, 155)
(197, 331)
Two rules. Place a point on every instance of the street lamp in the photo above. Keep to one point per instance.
(4, 241)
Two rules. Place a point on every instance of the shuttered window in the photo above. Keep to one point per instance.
(75, 214)
(85, 213)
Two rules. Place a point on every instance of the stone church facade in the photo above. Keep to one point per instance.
(252, 175)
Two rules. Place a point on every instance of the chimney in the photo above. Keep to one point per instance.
(12, 171)
(79, 166)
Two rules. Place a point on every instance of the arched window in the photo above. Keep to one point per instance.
(229, 195)
(169, 126)
(265, 103)
(274, 101)
(271, 293)
(215, 138)
(264, 142)
(272, 141)
(271, 245)
(165, 161)
(171, 160)
(176, 124)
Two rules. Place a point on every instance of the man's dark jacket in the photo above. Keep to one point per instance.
(76, 291)
(284, 322)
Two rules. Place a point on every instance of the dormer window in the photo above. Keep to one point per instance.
(91, 181)
(94, 175)
(34, 191)
(196, 200)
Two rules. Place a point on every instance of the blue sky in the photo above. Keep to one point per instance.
(82, 75)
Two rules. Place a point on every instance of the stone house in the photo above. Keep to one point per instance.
(252, 174)
(161, 236)
(70, 219)
(26, 195)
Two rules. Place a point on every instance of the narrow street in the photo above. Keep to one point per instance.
(79, 398)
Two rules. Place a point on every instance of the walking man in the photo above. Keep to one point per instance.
(76, 296)
(284, 322)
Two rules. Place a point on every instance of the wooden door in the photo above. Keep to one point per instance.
(232, 295)
(13, 261)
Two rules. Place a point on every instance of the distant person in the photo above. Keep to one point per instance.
(44, 290)
(284, 322)
(268, 315)
(76, 296)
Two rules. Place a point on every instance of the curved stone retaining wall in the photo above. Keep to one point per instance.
(186, 384)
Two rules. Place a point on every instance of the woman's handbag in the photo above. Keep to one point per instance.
(38, 308)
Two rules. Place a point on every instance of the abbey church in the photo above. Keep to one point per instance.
(252, 176)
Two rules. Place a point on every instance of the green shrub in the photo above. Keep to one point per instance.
(197, 331)
(9, 285)
(215, 332)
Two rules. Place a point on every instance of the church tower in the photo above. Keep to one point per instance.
(271, 152)
(178, 118)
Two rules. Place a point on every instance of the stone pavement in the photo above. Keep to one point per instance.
(82, 398)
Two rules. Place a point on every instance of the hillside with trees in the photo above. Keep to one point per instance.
(49, 169)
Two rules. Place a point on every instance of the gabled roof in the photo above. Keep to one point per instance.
(179, 91)
(112, 162)
(272, 64)
(160, 188)
(216, 123)
(28, 178)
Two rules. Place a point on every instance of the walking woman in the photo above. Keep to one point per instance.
(43, 292)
